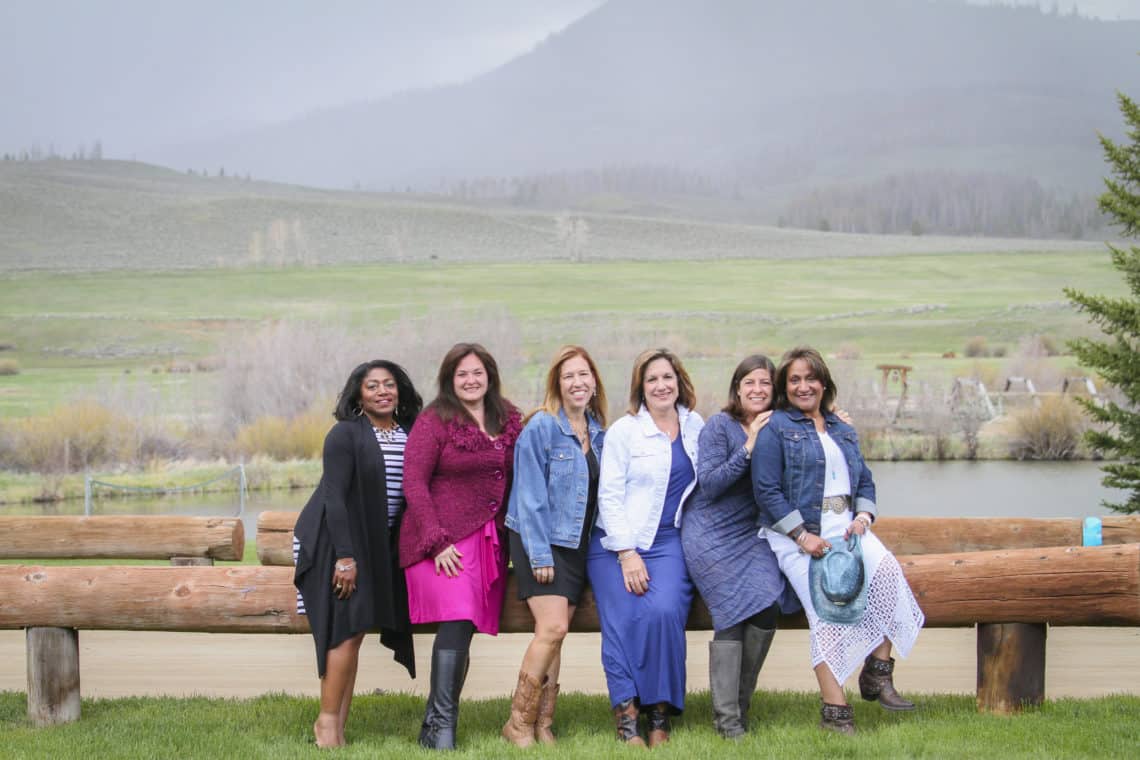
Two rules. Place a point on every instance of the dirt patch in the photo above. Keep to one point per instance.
(118, 663)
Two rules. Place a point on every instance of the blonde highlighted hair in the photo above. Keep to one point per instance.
(552, 400)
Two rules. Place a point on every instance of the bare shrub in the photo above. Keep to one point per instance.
(1052, 430)
(977, 347)
(287, 369)
(9, 367)
(418, 343)
(71, 437)
(282, 369)
(1032, 361)
(301, 437)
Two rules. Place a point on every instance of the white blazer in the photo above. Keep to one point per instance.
(635, 475)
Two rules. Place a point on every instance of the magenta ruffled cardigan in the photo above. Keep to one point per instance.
(455, 480)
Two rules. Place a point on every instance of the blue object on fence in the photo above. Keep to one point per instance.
(1091, 535)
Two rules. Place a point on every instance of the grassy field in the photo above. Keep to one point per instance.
(73, 331)
(277, 726)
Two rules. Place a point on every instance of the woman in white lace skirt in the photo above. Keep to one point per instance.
(813, 488)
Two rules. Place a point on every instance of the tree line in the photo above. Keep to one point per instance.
(949, 203)
(93, 152)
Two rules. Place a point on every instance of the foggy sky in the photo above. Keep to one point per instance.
(139, 74)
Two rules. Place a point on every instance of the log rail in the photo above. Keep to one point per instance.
(904, 535)
(1010, 593)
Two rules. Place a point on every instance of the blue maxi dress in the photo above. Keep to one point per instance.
(643, 637)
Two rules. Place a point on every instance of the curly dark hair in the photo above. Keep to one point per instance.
(408, 405)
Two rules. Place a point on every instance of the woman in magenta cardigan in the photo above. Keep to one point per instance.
(457, 473)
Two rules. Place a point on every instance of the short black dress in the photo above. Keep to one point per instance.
(569, 563)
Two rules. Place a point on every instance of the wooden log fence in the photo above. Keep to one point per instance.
(122, 537)
(904, 535)
(1075, 586)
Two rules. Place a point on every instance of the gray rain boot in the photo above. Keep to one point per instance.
(757, 642)
(724, 683)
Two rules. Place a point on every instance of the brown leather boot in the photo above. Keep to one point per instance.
(876, 681)
(625, 714)
(659, 725)
(837, 718)
(519, 728)
(542, 732)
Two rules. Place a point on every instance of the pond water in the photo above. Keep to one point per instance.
(920, 489)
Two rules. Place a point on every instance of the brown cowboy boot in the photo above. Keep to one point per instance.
(542, 732)
(519, 728)
(876, 681)
(626, 716)
(837, 718)
(658, 725)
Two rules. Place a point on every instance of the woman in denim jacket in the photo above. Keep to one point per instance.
(635, 562)
(552, 507)
(807, 473)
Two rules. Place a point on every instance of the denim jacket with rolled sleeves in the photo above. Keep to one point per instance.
(788, 468)
(635, 477)
(547, 505)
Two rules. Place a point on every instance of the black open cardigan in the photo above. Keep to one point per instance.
(347, 516)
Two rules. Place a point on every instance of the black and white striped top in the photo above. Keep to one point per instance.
(392, 446)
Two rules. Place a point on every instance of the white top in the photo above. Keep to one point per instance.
(836, 479)
(636, 460)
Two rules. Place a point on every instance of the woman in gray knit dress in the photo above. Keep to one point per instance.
(734, 570)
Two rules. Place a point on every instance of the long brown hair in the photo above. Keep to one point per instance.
(686, 395)
(747, 366)
(552, 401)
(818, 368)
(447, 405)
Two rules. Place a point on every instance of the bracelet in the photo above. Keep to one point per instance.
(800, 538)
(796, 532)
(625, 553)
(346, 568)
(863, 519)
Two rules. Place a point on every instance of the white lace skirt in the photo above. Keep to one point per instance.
(892, 610)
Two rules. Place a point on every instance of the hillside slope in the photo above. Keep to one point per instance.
(123, 215)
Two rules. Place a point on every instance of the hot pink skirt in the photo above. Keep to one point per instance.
(476, 594)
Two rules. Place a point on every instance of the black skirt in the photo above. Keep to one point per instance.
(569, 572)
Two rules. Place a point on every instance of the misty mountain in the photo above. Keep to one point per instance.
(784, 94)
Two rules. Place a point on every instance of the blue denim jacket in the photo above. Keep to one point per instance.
(788, 470)
(551, 482)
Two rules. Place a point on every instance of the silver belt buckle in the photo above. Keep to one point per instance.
(836, 504)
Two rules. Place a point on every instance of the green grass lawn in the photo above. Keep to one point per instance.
(784, 726)
(73, 332)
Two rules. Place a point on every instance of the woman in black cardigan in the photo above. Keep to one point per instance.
(344, 541)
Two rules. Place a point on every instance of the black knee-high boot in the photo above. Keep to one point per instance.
(441, 718)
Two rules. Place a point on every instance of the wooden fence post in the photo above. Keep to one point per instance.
(1011, 666)
(53, 675)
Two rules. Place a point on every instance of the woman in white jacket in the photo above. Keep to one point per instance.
(635, 563)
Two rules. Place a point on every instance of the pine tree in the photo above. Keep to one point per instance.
(1117, 358)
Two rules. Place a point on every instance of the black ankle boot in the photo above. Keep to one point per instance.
(441, 717)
